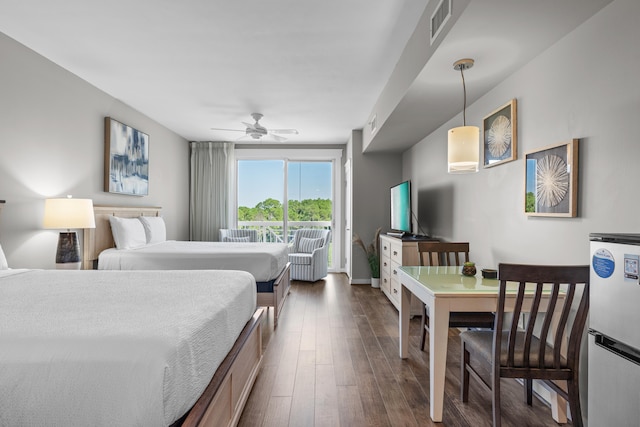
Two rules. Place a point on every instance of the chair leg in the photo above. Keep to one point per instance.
(497, 416)
(464, 374)
(424, 324)
(528, 391)
(573, 390)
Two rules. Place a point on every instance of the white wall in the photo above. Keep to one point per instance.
(51, 145)
(586, 87)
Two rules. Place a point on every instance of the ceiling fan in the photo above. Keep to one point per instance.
(257, 131)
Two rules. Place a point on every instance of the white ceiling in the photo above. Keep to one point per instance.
(316, 66)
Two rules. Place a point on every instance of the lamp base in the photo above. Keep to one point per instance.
(68, 251)
(69, 266)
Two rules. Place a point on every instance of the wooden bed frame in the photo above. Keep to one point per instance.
(223, 400)
(100, 238)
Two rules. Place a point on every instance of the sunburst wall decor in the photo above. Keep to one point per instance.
(500, 130)
(551, 180)
(499, 136)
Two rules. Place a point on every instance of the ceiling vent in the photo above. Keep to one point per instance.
(373, 124)
(440, 17)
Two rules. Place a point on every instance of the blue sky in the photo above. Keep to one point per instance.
(531, 176)
(262, 179)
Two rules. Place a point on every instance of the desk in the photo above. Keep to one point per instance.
(443, 290)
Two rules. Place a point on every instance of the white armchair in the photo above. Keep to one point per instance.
(309, 254)
(238, 235)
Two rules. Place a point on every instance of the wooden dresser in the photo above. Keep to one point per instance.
(394, 252)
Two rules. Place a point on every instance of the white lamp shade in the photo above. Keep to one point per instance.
(69, 213)
(464, 149)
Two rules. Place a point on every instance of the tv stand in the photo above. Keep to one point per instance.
(394, 252)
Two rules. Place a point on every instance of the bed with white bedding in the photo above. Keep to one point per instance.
(124, 248)
(126, 347)
(265, 261)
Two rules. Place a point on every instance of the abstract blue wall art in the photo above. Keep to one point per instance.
(126, 154)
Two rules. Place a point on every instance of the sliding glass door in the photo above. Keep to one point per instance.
(309, 203)
(309, 197)
(260, 196)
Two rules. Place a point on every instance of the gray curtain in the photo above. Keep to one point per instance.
(212, 166)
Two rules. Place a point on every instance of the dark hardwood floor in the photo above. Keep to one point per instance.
(333, 361)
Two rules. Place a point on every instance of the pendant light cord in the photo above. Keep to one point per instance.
(464, 105)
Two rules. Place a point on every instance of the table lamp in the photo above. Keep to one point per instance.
(68, 213)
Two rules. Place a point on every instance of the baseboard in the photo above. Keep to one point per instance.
(360, 281)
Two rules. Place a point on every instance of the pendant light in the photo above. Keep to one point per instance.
(464, 141)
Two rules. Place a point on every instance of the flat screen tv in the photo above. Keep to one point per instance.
(401, 207)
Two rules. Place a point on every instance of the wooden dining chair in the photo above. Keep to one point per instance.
(537, 349)
(450, 254)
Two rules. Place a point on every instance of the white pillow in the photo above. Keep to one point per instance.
(237, 239)
(154, 228)
(307, 245)
(3, 261)
(128, 233)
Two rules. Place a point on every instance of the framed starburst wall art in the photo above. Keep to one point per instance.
(551, 180)
(500, 131)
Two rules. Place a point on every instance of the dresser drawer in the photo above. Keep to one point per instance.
(385, 248)
(385, 265)
(394, 292)
(393, 270)
(396, 252)
(385, 281)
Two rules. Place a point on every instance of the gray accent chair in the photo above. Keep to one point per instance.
(238, 235)
(309, 254)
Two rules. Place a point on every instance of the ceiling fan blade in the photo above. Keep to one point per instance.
(284, 131)
(249, 125)
(229, 130)
(278, 138)
(262, 138)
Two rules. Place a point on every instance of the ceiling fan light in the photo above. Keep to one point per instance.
(255, 131)
(463, 149)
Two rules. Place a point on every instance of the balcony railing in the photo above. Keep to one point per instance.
(273, 231)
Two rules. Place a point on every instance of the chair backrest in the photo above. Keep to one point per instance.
(556, 295)
(311, 233)
(231, 234)
(443, 253)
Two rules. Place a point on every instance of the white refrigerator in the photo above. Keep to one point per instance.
(614, 331)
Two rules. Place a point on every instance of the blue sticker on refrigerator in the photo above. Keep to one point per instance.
(603, 263)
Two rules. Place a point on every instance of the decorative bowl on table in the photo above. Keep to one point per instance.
(469, 269)
(489, 273)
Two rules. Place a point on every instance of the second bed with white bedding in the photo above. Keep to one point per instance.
(265, 261)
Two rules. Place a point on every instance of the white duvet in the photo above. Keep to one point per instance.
(265, 261)
(114, 348)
